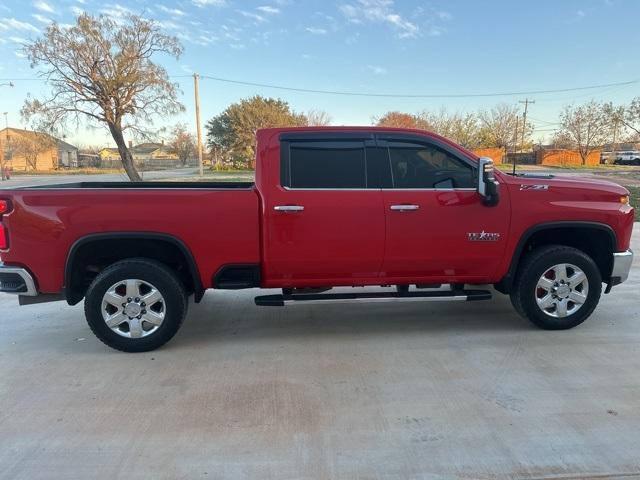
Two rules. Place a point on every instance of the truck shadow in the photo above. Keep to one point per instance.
(233, 316)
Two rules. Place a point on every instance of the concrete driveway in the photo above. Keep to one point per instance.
(416, 391)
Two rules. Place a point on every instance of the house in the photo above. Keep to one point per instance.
(28, 150)
(147, 152)
(146, 155)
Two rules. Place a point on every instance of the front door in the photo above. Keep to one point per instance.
(437, 228)
(324, 223)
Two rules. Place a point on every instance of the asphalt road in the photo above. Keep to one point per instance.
(33, 180)
(415, 391)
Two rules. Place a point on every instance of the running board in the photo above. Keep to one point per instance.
(372, 297)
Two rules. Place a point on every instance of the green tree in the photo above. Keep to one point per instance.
(234, 130)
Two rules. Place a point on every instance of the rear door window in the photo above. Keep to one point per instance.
(324, 165)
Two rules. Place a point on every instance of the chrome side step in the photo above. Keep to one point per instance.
(369, 297)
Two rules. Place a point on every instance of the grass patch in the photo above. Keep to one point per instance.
(214, 176)
(71, 171)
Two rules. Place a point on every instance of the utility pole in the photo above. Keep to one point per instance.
(2, 150)
(196, 77)
(515, 147)
(612, 157)
(5, 146)
(526, 102)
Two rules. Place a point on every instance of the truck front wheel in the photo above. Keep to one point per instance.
(557, 287)
(135, 305)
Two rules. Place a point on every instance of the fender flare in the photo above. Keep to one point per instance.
(72, 298)
(506, 282)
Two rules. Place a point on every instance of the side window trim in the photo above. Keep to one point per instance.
(383, 140)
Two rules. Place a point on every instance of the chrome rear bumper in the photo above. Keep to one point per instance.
(17, 281)
(622, 262)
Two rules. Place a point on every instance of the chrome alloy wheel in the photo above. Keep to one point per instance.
(133, 308)
(562, 290)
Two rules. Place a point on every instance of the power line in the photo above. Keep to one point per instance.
(387, 95)
(400, 95)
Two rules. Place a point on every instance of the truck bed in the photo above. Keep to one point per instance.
(216, 222)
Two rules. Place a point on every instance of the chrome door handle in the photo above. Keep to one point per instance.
(288, 208)
(404, 208)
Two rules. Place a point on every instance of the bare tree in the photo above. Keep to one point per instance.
(588, 126)
(30, 146)
(102, 70)
(183, 143)
(462, 128)
(626, 117)
(318, 118)
(562, 139)
(502, 126)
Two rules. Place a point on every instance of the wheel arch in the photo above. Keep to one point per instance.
(569, 233)
(163, 248)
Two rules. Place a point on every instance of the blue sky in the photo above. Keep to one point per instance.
(377, 46)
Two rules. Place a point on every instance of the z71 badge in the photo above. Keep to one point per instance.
(483, 236)
(534, 187)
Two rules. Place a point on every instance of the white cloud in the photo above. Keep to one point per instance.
(205, 3)
(77, 11)
(41, 18)
(43, 6)
(17, 39)
(384, 11)
(377, 69)
(116, 12)
(172, 11)
(316, 30)
(9, 24)
(254, 16)
(268, 9)
(167, 24)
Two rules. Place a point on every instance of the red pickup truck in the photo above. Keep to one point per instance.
(330, 207)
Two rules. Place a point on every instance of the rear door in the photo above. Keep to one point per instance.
(324, 220)
(437, 227)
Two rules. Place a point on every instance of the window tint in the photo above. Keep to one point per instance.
(335, 164)
(427, 166)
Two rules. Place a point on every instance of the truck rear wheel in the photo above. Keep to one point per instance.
(135, 305)
(557, 287)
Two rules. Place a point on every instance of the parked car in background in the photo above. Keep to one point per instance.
(627, 157)
(331, 207)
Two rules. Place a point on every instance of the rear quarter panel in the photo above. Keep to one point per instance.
(218, 226)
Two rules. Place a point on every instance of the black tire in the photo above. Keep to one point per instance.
(534, 265)
(174, 303)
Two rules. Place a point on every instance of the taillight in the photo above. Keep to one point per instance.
(5, 207)
(4, 241)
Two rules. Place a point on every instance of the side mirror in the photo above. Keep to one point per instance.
(487, 184)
